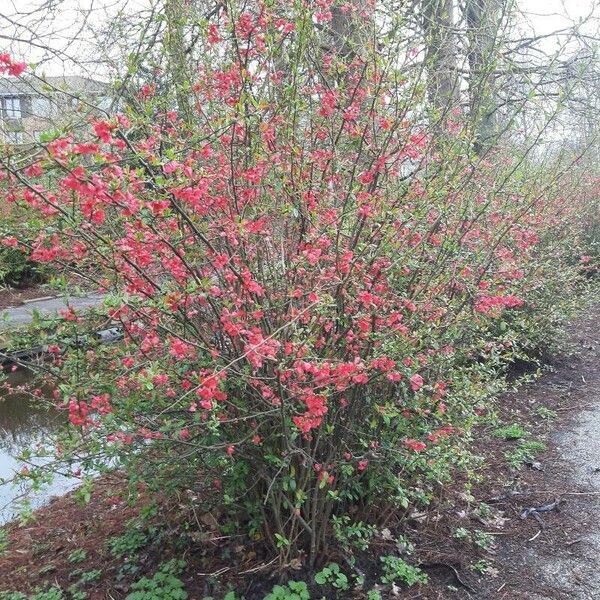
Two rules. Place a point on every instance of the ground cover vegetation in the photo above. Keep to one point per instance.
(322, 275)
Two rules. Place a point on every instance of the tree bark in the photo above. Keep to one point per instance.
(483, 19)
(175, 17)
(442, 80)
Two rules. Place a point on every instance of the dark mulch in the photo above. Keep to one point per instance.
(32, 290)
(37, 554)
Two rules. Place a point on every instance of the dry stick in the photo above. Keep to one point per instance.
(575, 407)
(566, 493)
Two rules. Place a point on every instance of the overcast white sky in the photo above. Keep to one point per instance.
(546, 16)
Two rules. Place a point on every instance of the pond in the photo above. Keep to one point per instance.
(25, 425)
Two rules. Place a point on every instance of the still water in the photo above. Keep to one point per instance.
(25, 425)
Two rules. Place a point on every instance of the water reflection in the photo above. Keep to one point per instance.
(25, 424)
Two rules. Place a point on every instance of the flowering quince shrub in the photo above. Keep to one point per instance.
(16, 270)
(314, 291)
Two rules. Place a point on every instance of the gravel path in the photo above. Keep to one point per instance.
(572, 572)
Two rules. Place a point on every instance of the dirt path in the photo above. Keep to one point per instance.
(558, 558)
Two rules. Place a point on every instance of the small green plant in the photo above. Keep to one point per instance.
(483, 511)
(511, 432)
(46, 569)
(164, 585)
(481, 566)
(546, 413)
(128, 544)
(294, 590)
(83, 494)
(282, 541)
(333, 576)
(461, 533)
(524, 452)
(76, 593)
(352, 535)
(90, 576)
(396, 569)
(128, 570)
(53, 593)
(25, 514)
(483, 539)
(373, 595)
(78, 555)
(404, 545)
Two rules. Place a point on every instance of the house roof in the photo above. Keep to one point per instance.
(35, 86)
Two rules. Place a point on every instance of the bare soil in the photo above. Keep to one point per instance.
(38, 553)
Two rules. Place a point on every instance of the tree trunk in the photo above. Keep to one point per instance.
(347, 28)
(175, 17)
(483, 19)
(442, 80)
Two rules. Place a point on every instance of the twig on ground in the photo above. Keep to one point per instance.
(538, 533)
(535, 511)
(575, 407)
(574, 542)
(258, 567)
(454, 571)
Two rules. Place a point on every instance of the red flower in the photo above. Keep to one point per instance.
(416, 382)
(103, 130)
(16, 69)
(7, 65)
(181, 350)
(415, 445)
(213, 36)
(493, 305)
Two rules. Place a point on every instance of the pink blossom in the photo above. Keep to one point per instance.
(416, 382)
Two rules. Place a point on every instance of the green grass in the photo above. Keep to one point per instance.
(511, 432)
(525, 452)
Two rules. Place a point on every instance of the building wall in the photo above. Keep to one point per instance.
(43, 113)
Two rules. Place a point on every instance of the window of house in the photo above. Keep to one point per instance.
(12, 107)
(14, 137)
